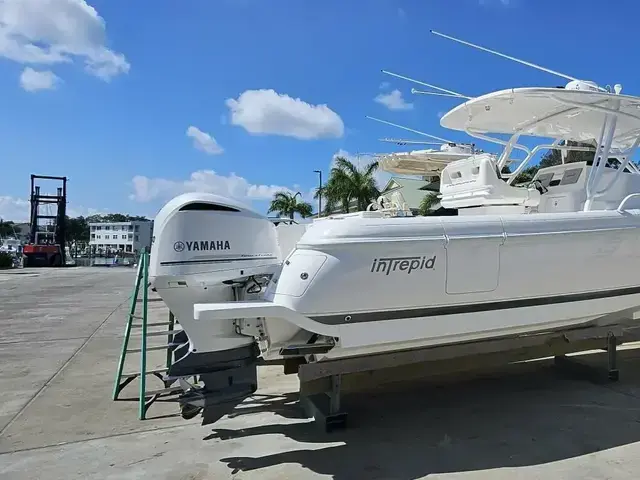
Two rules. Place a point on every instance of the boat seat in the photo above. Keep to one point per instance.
(475, 181)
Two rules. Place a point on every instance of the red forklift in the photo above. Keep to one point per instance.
(47, 235)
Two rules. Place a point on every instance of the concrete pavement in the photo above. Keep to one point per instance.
(60, 340)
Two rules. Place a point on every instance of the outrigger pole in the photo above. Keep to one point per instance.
(446, 93)
(617, 88)
(400, 141)
(444, 140)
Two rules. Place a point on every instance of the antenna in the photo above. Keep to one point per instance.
(548, 70)
(450, 92)
(407, 142)
(359, 155)
(411, 130)
(366, 154)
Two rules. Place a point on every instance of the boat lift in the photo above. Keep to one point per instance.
(46, 247)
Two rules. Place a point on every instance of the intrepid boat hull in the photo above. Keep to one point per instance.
(371, 282)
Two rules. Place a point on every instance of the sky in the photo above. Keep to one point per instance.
(136, 102)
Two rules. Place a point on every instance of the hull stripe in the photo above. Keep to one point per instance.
(473, 308)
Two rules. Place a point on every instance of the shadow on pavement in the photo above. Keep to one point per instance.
(524, 414)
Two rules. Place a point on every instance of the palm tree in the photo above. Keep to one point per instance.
(287, 204)
(428, 202)
(331, 196)
(346, 183)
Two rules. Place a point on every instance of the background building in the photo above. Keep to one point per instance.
(128, 237)
(411, 191)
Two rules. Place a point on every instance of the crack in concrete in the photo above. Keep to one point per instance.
(84, 440)
(63, 339)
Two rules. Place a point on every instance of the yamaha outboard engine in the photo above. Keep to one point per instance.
(206, 249)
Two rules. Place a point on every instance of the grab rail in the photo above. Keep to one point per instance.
(625, 199)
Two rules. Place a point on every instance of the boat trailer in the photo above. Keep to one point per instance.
(323, 383)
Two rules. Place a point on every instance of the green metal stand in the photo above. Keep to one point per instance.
(145, 398)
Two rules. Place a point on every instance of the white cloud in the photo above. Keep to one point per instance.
(14, 209)
(384, 85)
(268, 112)
(146, 189)
(57, 31)
(33, 80)
(203, 141)
(393, 101)
(17, 209)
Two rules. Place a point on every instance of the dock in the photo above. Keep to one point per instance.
(61, 335)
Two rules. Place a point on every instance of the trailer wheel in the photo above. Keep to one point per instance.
(54, 261)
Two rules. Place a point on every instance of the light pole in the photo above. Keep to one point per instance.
(319, 172)
(294, 197)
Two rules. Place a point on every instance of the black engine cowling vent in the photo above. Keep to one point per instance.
(211, 207)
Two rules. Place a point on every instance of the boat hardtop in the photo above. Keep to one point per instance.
(559, 113)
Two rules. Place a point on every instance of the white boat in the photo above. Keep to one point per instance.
(12, 247)
(424, 162)
(558, 253)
